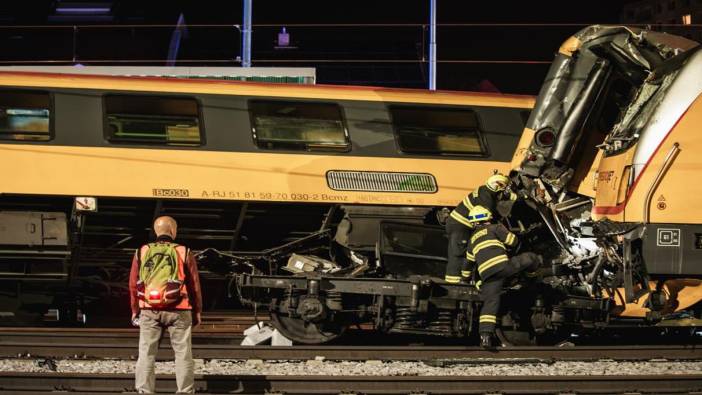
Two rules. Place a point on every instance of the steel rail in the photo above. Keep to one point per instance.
(127, 348)
(318, 384)
(65, 338)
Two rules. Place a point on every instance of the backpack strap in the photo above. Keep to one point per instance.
(175, 247)
(184, 258)
(140, 254)
(142, 251)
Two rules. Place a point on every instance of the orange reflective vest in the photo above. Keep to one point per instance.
(184, 303)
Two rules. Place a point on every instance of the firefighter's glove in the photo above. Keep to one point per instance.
(512, 196)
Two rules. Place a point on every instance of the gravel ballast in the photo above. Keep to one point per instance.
(370, 368)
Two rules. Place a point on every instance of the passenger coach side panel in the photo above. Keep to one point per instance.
(502, 128)
(370, 129)
(112, 143)
(78, 119)
(226, 123)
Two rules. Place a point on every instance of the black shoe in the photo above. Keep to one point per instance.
(486, 340)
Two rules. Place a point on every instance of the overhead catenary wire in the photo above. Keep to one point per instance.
(76, 31)
(281, 61)
(277, 25)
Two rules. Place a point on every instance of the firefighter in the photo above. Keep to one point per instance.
(459, 228)
(487, 250)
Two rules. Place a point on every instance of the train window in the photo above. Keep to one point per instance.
(426, 130)
(525, 116)
(152, 120)
(298, 125)
(25, 116)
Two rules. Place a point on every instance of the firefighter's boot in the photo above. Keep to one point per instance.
(486, 340)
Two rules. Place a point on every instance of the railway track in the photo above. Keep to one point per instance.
(127, 349)
(216, 328)
(257, 384)
(92, 336)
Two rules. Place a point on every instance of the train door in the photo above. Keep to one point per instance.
(612, 182)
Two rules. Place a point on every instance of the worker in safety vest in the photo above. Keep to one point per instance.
(487, 251)
(459, 228)
(164, 285)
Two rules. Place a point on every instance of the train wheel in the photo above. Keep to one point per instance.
(514, 338)
(305, 332)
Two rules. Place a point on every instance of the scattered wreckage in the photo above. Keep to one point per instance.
(612, 128)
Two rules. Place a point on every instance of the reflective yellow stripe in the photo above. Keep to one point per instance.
(510, 239)
(486, 244)
(467, 203)
(465, 273)
(452, 279)
(470, 257)
(492, 262)
(478, 235)
(512, 196)
(461, 219)
(488, 318)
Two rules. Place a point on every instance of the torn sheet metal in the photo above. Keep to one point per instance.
(581, 80)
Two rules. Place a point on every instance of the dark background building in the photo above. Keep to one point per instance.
(497, 45)
(673, 16)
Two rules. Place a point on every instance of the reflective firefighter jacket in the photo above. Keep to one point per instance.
(487, 249)
(482, 196)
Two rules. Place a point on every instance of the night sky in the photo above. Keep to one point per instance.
(361, 55)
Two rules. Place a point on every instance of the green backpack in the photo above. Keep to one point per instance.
(159, 284)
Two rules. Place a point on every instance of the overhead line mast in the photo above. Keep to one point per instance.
(246, 35)
(432, 45)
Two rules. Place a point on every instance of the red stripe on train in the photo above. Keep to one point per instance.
(620, 207)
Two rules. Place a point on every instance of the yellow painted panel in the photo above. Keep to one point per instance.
(90, 171)
(610, 174)
(175, 85)
(522, 148)
(569, 46)
(686, 291)
(588, 185)
(677, 198)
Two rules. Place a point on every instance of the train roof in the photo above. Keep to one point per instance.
(245, 88)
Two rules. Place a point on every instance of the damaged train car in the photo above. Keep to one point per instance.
(609, 161)
(606, 174)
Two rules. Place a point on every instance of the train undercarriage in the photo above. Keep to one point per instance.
(342, 267)
(319, 288)
(61, 264)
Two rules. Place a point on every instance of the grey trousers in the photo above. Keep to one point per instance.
(179, 326)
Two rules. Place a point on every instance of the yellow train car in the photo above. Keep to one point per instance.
(610, 157)
(89, 161)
